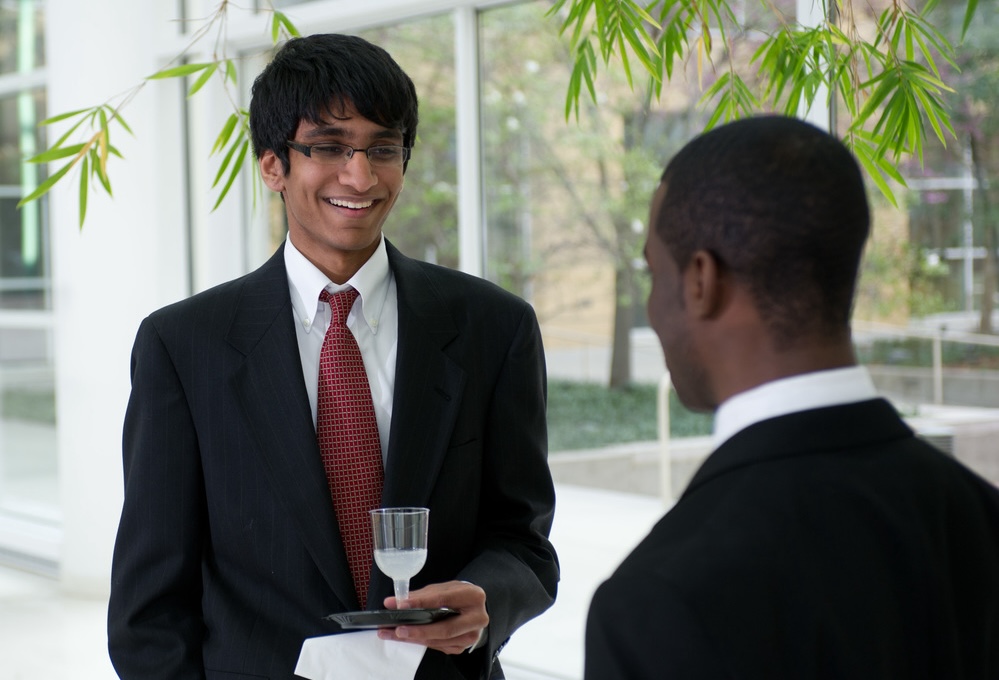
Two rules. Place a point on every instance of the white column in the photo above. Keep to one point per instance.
(466, 55)
(128, 259)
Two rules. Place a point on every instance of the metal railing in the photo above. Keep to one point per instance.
(937, 336)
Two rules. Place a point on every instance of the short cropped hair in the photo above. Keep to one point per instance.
(782, 205)
(317, 75)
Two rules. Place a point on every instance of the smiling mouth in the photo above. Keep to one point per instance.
(353, 205)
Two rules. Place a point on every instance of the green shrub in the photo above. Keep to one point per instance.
(589, 415)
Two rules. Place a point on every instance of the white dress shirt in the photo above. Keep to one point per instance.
(373, 320)
(790, 395)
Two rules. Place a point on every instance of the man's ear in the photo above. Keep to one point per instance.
(702, 285)
(272, 171)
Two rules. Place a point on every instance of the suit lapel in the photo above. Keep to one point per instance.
(275, 404)
(428, 385)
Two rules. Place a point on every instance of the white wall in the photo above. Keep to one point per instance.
(128, 259)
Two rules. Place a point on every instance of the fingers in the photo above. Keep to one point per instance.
(452, 635)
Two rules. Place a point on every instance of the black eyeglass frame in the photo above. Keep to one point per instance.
(306, 150)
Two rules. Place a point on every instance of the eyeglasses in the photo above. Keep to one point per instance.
(387, 155)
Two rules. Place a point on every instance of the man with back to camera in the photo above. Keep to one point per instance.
(821, 538)
(230, 552)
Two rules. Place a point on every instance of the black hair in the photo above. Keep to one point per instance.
(318, 75)
(782, 205)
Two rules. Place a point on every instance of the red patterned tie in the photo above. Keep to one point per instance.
(348, 438)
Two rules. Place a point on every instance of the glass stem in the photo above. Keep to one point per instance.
(401, 593)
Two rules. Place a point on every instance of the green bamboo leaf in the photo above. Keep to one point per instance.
(84, 175)
(55, 154)
(231, 74)
(45, 186)
(236, 168)
(932, 40)
(641, 49)
(891, 125)
(555, 8)
(584, 65)
(874, 173)
(884, 25)
(205, 76)
(275, 28)
(910, 43)
(897, 33)
(926, 53)
(100, 171)
(225, 134)
(936, 113)
(601, 21)
(718, 113)
(116, 115)
(642, 15)
(64, 116)
(69, 133)
(968, 16)
(182, 70)
(228, 158)
(291, 27)
(886, 83)
(723, 106)
(284, 22)
(102, 144)
(917, 73)
(625, 64)
(672, 46)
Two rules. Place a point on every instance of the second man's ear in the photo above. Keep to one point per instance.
(703, 289)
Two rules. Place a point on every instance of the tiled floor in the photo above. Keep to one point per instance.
(45, 635)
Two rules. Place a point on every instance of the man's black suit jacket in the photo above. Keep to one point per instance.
(228, 553)
(830, 543)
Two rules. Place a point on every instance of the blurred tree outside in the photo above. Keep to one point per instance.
(953, 204)
(567, 205)
(424, 220)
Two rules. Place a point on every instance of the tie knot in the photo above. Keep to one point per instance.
(340, 304)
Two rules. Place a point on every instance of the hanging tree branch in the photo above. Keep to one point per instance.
(94, 124)
(890, 84)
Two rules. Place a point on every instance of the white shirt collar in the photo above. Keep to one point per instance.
(306, 282)
(789, 395)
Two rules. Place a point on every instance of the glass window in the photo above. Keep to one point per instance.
(28, 471)
(23, 256)
(566, 202)
(424, 222)
(22, 28)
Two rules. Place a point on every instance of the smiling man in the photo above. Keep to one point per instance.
(248, 479)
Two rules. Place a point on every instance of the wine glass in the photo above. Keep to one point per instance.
(400, 543)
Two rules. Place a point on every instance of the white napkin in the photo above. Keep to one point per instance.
(361, 654)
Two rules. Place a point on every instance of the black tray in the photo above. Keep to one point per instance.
(390, 618)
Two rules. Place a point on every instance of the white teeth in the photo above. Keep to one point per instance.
(349, 204)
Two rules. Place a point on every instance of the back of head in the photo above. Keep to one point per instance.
(782, 206)
(315, 76)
